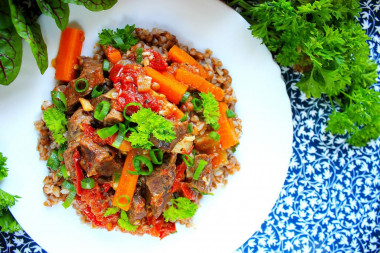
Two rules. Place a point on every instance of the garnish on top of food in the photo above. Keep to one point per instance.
(137, 134)
(18, 21)
(324, 41)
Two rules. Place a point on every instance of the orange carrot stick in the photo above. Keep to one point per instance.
(227, 132)
(199, 83)
(171, 88)
(168, 75)
(178, 55)
(113, 54)
(127, 184)
(70, 48)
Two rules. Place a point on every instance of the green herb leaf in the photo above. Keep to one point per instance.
(210, 108)
(3, 168)
(31, 33)
(7, 200)
(149, 123)
(56, 121)
(10, 47)
(8, 223)
(181, 208)
(56, 9)
(122, 39)
(124, 223)
(94, 5)
(110, 211)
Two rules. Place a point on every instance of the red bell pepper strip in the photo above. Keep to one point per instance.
(78, 172)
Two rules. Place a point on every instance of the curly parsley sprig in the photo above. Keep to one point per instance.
(324, 41)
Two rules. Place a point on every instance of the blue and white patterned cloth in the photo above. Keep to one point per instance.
(330, 201)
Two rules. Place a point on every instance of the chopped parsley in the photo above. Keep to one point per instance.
(149, 123)
(210, 108)
(110, 211)
(121, 39)
(56, 121)
(181, 208)
(124, 223)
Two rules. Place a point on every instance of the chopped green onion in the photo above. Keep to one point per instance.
(107, 131)
(106, 65)
(59, 174)
(120, 136)
(189, 161)
(61, 150)
(110, 211)
(64, 171)
(234, 147)
(125, 108)
(190, 128)
(81, 85)
(215, 126)
(59, 100)
(185, 97)
(139, 55)
(116, 177)
(137, 162)
(201, 165)
(68, 186)
(156, 159)
(102, 110)
(69, 199)
(230, 114)
(125, 197)
(203, 193)
(184, 118)
(197, 103)
(87, 183)
(214, 135)
(53, 161)
(97, 91)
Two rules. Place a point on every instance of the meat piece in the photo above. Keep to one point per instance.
(73, 125)
(204, 182)
(137, 209)
(158, 186)
(68, 158)
(92, 71)
(97, 159)
(113, 117)
(180, 130)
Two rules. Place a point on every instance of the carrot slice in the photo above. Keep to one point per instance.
(70, 48)
(199, 83)
(113, 54)
(171, 88)
(127, 184)
(178, 55)
(227, 132)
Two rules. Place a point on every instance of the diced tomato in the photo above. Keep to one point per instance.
(106, 187)
(188, 192)
(180, 176)
(91, 133)
(158, 62)
(160, 228)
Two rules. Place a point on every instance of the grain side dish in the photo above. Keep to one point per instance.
(138, 133)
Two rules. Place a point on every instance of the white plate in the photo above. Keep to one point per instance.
(224, 221)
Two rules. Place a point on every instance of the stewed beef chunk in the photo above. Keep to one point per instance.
(159, 184)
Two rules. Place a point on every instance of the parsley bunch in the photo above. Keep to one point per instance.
(121, 39)
(181, 208)
(7, 222)
(56, 121)
(210, 108)
(324, 41)
(149, 123)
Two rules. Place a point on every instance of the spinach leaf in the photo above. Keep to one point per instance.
(56, 9)
(5, 20)
(94, 5)
(31, 33)
(10, 48)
